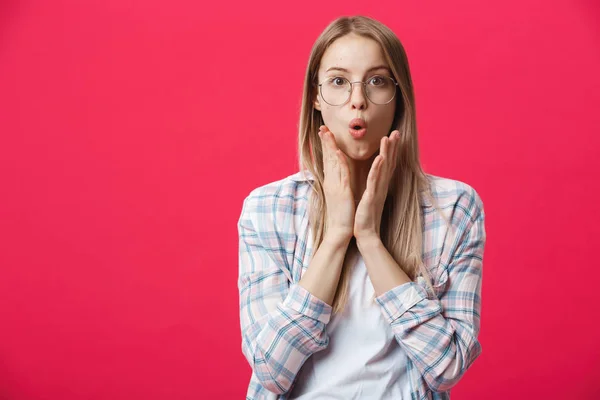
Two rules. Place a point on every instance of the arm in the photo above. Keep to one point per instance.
(282, 324)
(322, 278)
(439, 336)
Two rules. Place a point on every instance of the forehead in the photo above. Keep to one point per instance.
(353, 52)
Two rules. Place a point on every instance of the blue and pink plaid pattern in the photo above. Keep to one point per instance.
(282, 324)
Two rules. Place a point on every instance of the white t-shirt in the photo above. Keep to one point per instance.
(363, 359)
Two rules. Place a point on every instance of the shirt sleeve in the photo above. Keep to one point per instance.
(282, 323)
(440, 335)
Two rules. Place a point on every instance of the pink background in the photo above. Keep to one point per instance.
(131, 131)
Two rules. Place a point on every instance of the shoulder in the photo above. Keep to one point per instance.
(457, 200)
(285, 196)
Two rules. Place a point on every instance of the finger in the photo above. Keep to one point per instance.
(384, 148)
(394, 161)
(334, 160)
(344, 168)
(373, 176)
(396, 147)
(331, 139)
(392, 141)
(389, 152)
(330, 157)
(326, 155)
(330, 143)
(322, 138)
(380, 176)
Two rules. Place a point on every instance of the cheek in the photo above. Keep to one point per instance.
(330, 118)
(327, 112)
(385, 119)
(392, 113)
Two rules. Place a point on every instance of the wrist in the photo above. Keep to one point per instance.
(367, 242)
(337, 240)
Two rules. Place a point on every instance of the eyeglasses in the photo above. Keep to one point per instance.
(379, 89)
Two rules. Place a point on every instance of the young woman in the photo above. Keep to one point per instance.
(360, 275)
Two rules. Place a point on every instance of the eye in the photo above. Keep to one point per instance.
(377, 80)
(337, 81)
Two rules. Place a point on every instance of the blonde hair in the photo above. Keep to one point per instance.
(402, 222)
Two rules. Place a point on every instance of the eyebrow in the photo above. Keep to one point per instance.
(369, 70)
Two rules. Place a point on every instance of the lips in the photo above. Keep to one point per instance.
(357, 124)
(358, 128)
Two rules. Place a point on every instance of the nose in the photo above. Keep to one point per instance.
(358, 100)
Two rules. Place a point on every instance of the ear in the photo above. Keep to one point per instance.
(317, 104)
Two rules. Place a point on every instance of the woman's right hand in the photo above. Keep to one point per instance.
(339, 223)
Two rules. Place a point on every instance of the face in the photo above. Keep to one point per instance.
(354, 57)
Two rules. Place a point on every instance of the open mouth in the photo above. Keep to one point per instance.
(357, 124)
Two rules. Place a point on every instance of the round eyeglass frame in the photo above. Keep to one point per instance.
(320, 85)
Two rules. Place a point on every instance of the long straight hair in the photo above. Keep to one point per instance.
(402, 222)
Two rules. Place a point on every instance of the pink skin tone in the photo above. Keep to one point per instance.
(357, 55)
(367, 172)
(367, 214)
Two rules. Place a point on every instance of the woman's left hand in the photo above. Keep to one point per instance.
(367, 220)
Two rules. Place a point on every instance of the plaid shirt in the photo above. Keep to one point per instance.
(282, 323)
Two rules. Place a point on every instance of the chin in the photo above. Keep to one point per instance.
(361, 154)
